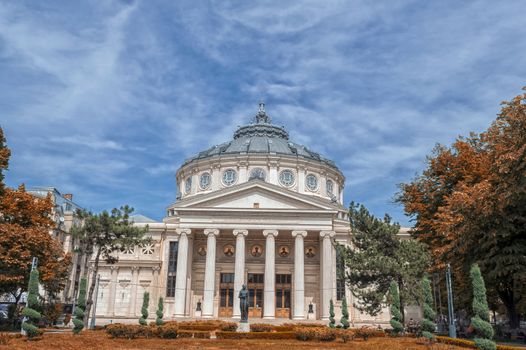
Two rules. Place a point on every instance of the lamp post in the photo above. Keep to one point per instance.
(451, 312)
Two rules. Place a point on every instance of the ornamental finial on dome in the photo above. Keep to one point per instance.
(262, 116)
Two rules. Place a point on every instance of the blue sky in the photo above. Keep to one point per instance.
(106, 99)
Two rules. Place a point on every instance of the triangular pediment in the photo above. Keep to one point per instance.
(255, 194)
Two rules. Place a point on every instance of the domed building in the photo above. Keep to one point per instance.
(259, 210)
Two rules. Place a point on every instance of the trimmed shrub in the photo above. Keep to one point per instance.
(470, 344)
(159, 312)
(127, 331)
(283, 328)
(144, 309)
(480, 320)
(202, 335)
(167, 331)
(396, 315)
(78, 321)
(325, 334)
(183, 333)
(305, 333)
(332, 321)
(367, 332)
(203, 327)
(255, 335)
(228, 327)
(33, 316)
(428, 326)
(261, 327)
(345, 314)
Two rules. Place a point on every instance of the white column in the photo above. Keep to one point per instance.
(180, 278)
(135, 281)
(327, 280)
(155, 291)
(113, 289)
(210, 273)
(269, 289)
(299, 276)
(239, 269)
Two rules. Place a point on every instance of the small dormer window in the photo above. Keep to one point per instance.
(188, 185)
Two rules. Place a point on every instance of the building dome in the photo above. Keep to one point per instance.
(261, 150)
(261, 136)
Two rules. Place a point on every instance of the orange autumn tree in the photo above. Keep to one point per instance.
(469, 206)
(25, 227)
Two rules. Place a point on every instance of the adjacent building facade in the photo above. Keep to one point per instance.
(258, 210)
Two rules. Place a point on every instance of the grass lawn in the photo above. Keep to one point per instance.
(100, 340)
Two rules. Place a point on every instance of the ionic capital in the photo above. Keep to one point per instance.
(268, 233)
(327, 234)
(299, 234)
(211, 231)
(183, 231)
(241, 233)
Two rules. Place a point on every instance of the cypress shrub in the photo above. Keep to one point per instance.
(345, 314)
(33, 316)
(332, 321)
(480, 319)
(159, 312)
(144, 309)
(396, 315)
(78, 322)
(428, 326)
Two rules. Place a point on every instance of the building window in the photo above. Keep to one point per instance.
(340, 273)
(205, 180)
(188, 185)
(286, 178)
(229, 177)
(227, 278)
(172, 269)
(312, 182)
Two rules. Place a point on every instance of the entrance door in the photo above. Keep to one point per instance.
(255, 294)
(283, 287)
(226, 292)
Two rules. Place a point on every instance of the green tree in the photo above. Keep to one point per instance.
(144, 309)
(480, 320)
(78, 321)
(396, 315)
(102, 235)
(428, 326)
(345, 314)
(33, 316)
(379, 256)
(332, 320)
(159, 312)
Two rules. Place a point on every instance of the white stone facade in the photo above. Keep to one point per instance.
(276, 233)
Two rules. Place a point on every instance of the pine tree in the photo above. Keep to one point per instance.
(78, 322)
(378, 257)
(159, 320)
(480, 320)
(396, 315)
(33, 316)
(345, 314)
(144, 309)
(332, 321)
(428, 326)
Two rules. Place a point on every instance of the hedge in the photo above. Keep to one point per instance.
(255, 335)
(471, 344)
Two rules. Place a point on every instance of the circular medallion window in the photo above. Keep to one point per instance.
(256, 250)
(205, 180)
(310, 252)
(188, 185)
(229, 177)
(286, 178)
(283, 251)
(229, 250)
(312, 182)
(257, 173)
(330, 187)
(201, 250)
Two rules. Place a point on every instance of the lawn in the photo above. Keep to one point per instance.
(100, 340)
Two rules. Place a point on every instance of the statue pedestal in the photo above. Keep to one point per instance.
(243, 327)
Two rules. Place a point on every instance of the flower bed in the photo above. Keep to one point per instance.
(261, 327)
(255, 335)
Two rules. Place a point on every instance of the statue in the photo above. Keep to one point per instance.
(243, 303)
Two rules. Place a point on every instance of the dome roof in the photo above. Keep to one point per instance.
(261, 137)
